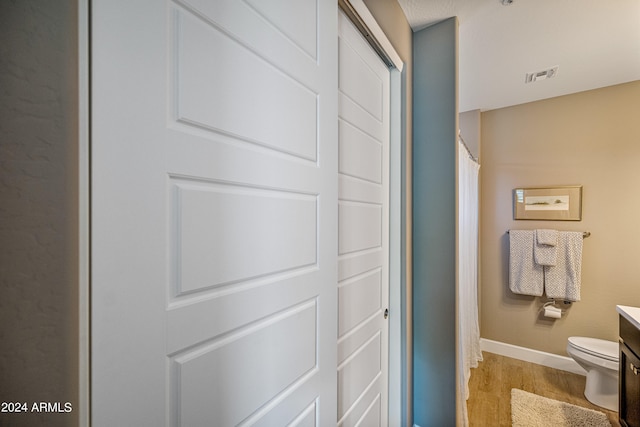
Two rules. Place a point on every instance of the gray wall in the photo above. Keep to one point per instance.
(38, 205)
(435, 129)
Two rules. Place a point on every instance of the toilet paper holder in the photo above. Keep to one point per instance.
(553, 302)
(549, 309)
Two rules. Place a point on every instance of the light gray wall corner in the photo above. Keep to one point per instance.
(435, 130)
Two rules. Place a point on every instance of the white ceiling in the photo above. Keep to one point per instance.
(595, 43)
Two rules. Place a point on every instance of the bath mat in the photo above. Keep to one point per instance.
(531, 410)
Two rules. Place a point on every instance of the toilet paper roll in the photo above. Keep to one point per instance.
(553, 312)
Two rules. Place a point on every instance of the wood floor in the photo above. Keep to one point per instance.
(490, 387)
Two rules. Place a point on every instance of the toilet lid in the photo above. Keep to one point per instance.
(596, 347)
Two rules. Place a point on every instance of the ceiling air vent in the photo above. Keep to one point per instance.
(541, 75)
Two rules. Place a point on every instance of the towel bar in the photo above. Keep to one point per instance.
(585, 234)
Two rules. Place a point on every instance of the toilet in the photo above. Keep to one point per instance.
(600, 359)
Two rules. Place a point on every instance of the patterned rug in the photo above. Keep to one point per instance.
(531, 410)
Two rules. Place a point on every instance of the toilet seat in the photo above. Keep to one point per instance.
(603, 349)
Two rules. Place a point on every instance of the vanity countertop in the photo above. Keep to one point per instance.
(632, 314)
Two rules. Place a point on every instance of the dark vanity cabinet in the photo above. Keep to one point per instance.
(629, 380)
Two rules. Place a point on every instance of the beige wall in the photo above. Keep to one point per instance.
(590, 138)
(391, 19)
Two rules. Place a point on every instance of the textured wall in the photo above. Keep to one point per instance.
(38, 301)
(590, 138)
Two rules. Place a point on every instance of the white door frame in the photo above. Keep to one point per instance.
(395, 215)
(396, 261)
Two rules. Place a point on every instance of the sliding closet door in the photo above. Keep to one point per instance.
(363, 290)
(214, 188)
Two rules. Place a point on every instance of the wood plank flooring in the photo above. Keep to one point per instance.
(490, 387)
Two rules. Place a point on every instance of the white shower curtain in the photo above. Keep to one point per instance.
(469, 353)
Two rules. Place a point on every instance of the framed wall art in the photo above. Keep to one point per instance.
(548, 203)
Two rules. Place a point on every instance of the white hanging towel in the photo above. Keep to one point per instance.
(545, 250)
(525, 276)
(563, 280)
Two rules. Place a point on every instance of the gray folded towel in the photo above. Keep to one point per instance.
(545, 250)
(563, 280)
(525, 276)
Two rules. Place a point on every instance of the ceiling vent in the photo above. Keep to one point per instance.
(541, 75)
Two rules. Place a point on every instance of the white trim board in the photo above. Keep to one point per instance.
(563, 363)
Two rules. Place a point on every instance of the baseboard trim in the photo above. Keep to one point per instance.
(550, 360)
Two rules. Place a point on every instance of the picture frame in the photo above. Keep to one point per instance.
(561, 203)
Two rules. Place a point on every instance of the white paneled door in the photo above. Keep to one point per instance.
(363, 242)
(214, 218)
